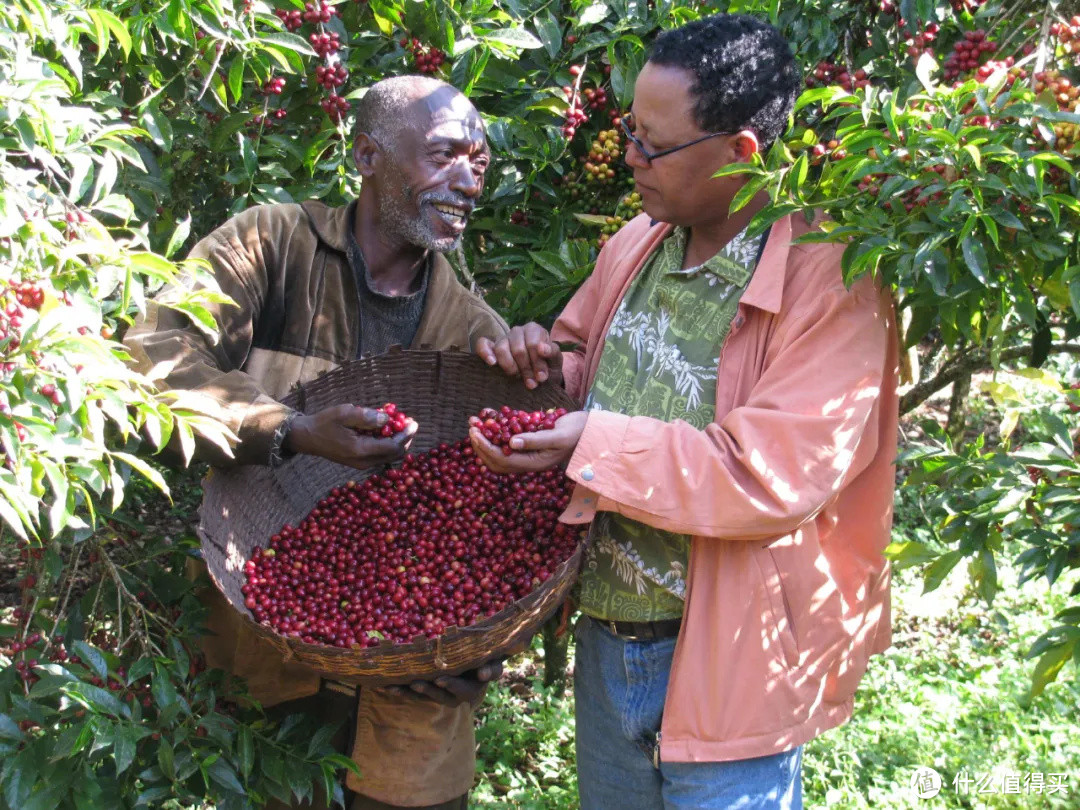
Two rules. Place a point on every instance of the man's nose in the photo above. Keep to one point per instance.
(634, 158)
(465, 180)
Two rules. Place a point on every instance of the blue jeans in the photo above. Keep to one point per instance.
(619, 691)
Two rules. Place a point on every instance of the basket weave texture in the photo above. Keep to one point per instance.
(243, 507)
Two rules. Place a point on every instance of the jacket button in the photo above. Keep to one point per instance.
(587, 473)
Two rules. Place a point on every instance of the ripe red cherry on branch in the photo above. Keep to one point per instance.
(440, 541)
(325, 44)
(335, 106)
(293, 19)
(500, 426)
(318, 12)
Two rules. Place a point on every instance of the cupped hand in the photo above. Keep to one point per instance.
(533, 452)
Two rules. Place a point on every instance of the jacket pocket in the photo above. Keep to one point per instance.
(780, 618)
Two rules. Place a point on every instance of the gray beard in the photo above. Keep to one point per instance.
(415, 230)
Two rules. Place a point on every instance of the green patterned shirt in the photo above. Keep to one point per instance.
(659, 360)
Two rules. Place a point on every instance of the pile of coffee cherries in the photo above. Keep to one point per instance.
(439, 542)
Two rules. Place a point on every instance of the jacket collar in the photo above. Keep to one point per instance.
(331, 224)
(766, 288)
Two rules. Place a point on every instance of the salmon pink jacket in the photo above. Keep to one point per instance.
(788, 494)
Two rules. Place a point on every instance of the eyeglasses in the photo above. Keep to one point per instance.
(627, 123)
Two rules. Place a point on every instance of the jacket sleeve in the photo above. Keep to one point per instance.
(237, 254)
(773, 463)
(485, 322)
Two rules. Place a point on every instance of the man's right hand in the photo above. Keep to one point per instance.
(332, 434)
(527, 351)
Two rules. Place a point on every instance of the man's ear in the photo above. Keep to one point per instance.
(367, 154)
(746, 145)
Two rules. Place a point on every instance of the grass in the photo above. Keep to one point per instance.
(950, 694)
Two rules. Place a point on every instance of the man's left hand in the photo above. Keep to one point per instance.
(454, 690)
(533, 452)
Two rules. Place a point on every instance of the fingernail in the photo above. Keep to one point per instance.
(517, 444)
(530, 383)
(440, 682)
(541, 376)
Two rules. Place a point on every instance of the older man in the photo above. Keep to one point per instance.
(316, 286)
(735, 447)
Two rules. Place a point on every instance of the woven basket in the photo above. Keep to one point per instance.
(244, 506)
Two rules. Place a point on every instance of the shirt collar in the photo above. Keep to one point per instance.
(719, 265)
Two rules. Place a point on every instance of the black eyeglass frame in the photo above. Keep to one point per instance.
(651, 156)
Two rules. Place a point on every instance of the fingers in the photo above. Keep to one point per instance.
(404, 439)
(540, 440)
(526, 351)
(357, 418)
(367, 451)
(491, 671)
(539, 348)
(485, 350)
(568, 608)
(490, 455)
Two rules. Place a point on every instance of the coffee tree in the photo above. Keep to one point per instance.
(936, 140)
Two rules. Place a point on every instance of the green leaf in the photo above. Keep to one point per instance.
(179, 236)
(976, 156)
(292, 42)
(92, 658)
(1048, 667)
(166, 759)
(245, 750)
(748, 191)
(975, 257)
(514, 37)
(116, 27)
(9, 730)
(236, 77)
(593, 14)
(124, 748)
(591, 219)
(550, 33)
(924, 70)
(157, 124)
(222, 773)
(936, 572)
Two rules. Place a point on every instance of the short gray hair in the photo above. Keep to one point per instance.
(381, 111)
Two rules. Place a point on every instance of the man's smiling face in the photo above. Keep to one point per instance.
(433, 174)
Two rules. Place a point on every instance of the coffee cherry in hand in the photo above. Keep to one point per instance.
(500, 426)
(396, 421)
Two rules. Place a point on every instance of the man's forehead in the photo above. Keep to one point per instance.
(452, 117)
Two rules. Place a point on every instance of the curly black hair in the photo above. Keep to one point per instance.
(745, 75)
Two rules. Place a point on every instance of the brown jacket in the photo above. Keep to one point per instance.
(297, 316)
